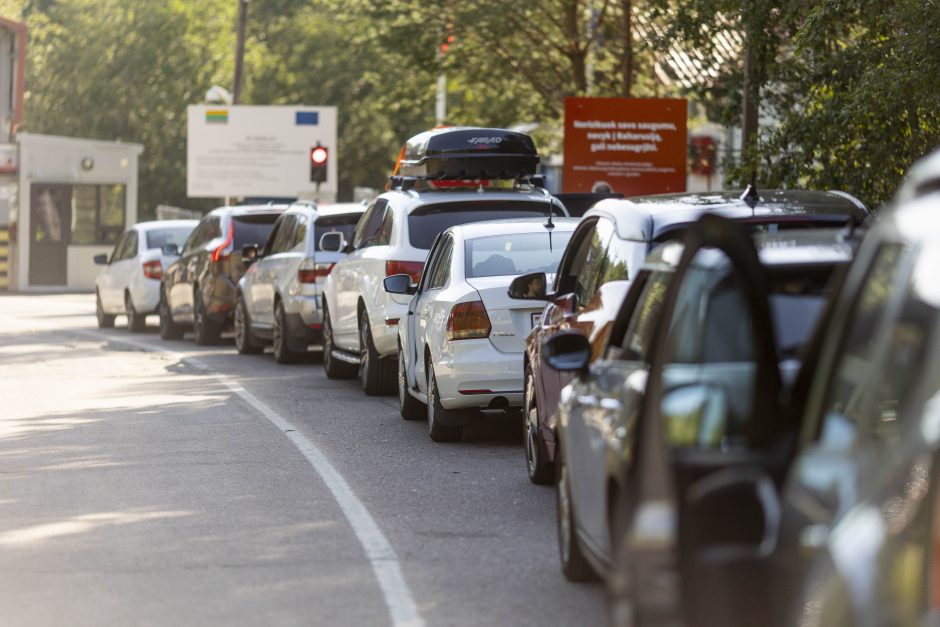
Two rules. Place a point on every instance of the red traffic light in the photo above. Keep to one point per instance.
(319, 154)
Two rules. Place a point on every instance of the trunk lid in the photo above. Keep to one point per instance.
(511, 319)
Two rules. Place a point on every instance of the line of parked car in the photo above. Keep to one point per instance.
(732, 392)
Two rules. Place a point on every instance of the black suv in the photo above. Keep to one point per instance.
(199, 289)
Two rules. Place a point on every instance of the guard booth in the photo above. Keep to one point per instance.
(73, 199)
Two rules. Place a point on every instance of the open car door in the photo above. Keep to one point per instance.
(711, 442)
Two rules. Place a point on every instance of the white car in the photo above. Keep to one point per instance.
(278, 298)
(360, 319)
(130, 282)
(462, 340)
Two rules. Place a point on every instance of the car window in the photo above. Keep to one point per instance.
(442, 266)
(564, 280)
(284, 239)
(118, 246)
(367, 231)
(158, 238)
(344, 223)
(385, 232)
(192, 242)
(430, 264)
(648, 310)
(252, 229)
(589, 263)
(425, 222)
(498, 255)
(130, 245)
(272, 236)
(300, 232)
(878, 355)
(616, 264)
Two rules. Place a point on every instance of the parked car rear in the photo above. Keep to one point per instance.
(199, 289)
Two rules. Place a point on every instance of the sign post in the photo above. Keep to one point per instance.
(635, 146)
(258, 151)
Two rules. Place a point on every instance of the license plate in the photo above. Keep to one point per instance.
(536, 319)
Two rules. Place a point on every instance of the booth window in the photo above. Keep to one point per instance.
(97, 213)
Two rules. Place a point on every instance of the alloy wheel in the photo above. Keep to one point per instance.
(531, 424)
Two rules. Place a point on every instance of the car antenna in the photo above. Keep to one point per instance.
(548, 223)
(750, 196)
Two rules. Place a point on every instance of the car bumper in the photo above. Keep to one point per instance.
(472, 373)
(385, 328)
(146, 296)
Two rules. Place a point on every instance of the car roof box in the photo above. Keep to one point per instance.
(461, 153)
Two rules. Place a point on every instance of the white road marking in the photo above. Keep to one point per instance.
(401, 604)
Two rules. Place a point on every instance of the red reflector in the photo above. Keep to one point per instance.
(153, 269)
(221, 253)
(310, 275)
(475, 391)
(391, 321)
(468, 321)
(316, 326)
(411, 268)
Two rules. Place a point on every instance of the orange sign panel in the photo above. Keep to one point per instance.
(634, 145)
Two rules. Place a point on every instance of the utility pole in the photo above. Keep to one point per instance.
(240, 50)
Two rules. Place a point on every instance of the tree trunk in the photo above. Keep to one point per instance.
(750, 102)
(626, 84)
(577, 52)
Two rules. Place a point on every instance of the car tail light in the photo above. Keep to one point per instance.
(153, 269)
(310, 271)
(468, 321)
(411, 268)
(223, 251)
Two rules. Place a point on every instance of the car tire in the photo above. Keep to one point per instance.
(105, 321)
(409, 407)
(136, 323)
(334, 368)
(280, 341)
(246, 343)
(435, 411)
(574, 565)
(378, 375)
(169, 330)
(540, 470)
(205, 332)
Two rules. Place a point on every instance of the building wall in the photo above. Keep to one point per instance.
(47, 159)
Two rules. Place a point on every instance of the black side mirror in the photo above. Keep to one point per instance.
(333, 242)
(171, 250)
(399, 284)
(568, 351)
(101, 260)
(529, 287)
(250, 254)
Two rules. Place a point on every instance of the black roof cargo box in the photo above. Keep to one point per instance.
(469, 153)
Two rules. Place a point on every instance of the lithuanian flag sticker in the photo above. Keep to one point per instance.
(217, 116)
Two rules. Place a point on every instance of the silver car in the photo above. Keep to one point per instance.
(279, 297)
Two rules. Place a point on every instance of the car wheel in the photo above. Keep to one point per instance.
(409, 407)
(135, 321)
(439, 432)
(377, 374)
(282, 352)
(540, 471)
(105, 321)
(205, 331)
(245, 341)
(169, 330)
(334, 368)
(573, 563)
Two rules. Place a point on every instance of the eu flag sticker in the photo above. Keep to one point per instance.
(306, 118)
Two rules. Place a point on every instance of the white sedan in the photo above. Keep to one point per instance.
(463, 342)
(130, 282)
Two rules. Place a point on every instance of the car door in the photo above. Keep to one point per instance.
(702, 463)
(107, 284)
(349, 273)
(180, 292)
(269, 268)
(423, 301)
(603, 410)
(127, 266)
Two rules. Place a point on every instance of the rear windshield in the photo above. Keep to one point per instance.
(523, 253)
(344, 223)
(253, 228)
(158, 238)
(425, 223)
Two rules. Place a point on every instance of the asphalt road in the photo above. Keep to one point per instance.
(149, 482)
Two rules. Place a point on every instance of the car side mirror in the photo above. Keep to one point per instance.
(568, 351)
(101, 260)
(250, 254)
(171, 250)
(333, 242)
(696, 416)
(529, 287)
(399, 284)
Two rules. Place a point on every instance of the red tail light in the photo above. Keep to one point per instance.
(222, 251)
(309, 275)
(411, 268)
(153, 269)
(468, 321)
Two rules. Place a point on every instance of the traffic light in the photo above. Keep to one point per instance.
(319, 161)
